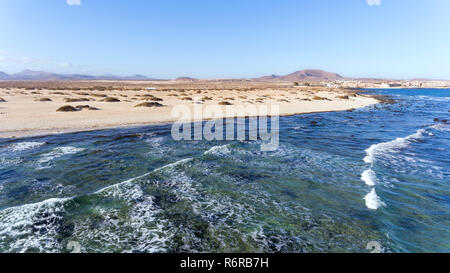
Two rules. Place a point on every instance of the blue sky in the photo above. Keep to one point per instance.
(232, 38)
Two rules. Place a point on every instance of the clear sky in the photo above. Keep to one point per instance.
(229, 38)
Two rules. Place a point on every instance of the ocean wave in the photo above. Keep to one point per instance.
(35, 227)
(24, 146)
(9, 161)
(434, 98)
(384, 148)
(218, 150)
(373, 202)
(171, 165)
(443, 127)
(31, 227)
(369, 177)
(57, 153)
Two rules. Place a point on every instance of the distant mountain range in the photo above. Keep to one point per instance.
(304, 75)
(30, 75)
(308, 75)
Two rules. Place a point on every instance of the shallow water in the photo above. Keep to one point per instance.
(375, 174)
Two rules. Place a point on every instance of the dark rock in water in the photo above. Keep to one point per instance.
(436, 120)
(67, 108)
(444, 121)
(314, 122)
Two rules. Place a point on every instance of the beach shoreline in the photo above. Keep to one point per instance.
(32, 112)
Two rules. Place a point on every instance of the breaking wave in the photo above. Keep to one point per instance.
(218, 150)
(385, 148)
(37, 227)
(373, 201)
(369, 177)
(46, 159)
(31, 227)
(24, 146)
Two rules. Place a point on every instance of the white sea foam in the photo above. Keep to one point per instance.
(393, 146)
(11, 161)
(171, 165)
(35, 226)
(32, 226)
(24, 146)
(443, 127)
(57, 153)
(218, 150)
(369, 177)
(373, 201)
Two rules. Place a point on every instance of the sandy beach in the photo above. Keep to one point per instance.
(30, 109)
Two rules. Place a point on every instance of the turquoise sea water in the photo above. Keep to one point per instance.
(337, 181)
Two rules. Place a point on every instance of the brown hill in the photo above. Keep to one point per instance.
(186, 79)
(304, 75)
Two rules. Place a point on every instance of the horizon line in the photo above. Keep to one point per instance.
(216, 78)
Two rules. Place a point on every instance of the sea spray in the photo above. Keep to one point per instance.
(369, 177)
(373, 202)
(384, 148)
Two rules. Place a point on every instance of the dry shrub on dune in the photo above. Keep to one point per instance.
(155, 99)
(225, 103)
(44, 99)
(67, 108)
(98, 95)
(80, 107)
(88, 107)
(318, 98)
(75, 99)
(149, 104)
(111, 99)
(99, 88)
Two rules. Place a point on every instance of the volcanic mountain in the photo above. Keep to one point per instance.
(304, 75)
